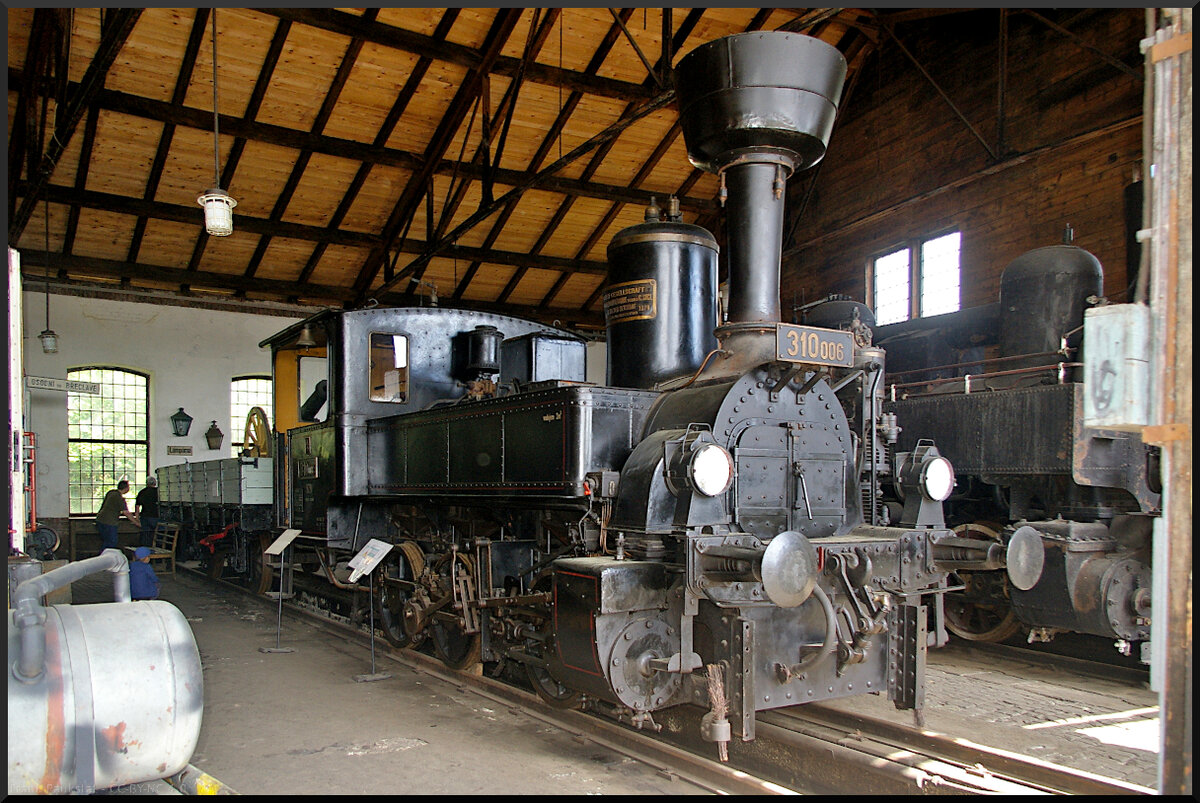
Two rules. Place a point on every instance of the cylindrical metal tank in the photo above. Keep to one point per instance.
(660, 307)
(119, 701)
(1043, 294)
(484, 347)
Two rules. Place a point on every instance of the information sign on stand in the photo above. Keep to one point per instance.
(280, 549)
(365, 562)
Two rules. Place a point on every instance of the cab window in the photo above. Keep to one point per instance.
(389, 367)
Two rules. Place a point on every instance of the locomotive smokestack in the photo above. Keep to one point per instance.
(755, 107)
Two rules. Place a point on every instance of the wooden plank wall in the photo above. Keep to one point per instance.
(901, 164)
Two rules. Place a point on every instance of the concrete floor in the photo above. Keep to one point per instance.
(298, 723)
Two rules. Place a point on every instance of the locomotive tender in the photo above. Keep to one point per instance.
(713, 513)
(1069, 502)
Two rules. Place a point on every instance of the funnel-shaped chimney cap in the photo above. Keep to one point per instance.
(773, 94)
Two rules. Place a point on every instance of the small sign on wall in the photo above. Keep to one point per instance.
(184, 450)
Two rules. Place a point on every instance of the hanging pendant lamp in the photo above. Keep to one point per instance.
(218, 204)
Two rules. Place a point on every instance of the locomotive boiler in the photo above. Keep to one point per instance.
(713, 512)
(1068, 502)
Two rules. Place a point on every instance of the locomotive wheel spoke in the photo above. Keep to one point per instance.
(391, 598)
(555, 694)
(978, 621)
(455, 647)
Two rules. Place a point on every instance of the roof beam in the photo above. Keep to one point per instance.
(298, 231)
(112, 38)
(281, 290)
(379, 33)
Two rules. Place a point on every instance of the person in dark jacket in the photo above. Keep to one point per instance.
(146, 508)
(112, 509)
(143, 582)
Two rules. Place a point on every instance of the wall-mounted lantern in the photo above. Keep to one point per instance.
(214, 436)
(181, 422)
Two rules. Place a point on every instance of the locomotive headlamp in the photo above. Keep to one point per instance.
(937, 479)
(926, 479)
(710, 469)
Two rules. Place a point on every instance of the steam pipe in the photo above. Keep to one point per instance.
(30, 614)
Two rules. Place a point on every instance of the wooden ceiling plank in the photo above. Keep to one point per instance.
(385, 132)
(297, 231)
(261, 83)
(464, 98)
(345, 67)
(598, 56)
(678, 39)
(412, 42)
(119, 24)
(186, 67)
(246, 128)
(81, 174)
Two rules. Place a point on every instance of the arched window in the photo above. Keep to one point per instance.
(246, 392)
(108, 435)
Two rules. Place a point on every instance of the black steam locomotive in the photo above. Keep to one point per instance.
(1068, 503)
(715, 511)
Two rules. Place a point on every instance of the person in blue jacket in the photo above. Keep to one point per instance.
(143, 582)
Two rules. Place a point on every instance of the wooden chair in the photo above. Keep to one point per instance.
(162, 548)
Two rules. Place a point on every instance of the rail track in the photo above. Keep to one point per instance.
(1087, 667)
(809, 749)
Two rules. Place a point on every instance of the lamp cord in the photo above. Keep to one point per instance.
(216, 123)
(47, 263)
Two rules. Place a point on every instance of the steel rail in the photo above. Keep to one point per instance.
(665, 759)
(808, 748)
(1001, 765)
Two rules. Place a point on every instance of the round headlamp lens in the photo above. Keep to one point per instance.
(937, 479)
(711, 470)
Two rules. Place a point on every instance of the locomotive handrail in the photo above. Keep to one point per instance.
(983, 361)
(966, 380)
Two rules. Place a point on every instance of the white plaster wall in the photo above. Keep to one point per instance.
(189, 354)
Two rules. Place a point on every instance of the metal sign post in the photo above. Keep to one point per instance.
(364, 563)
(281, 547)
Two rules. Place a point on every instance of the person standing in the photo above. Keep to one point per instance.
(145, 506)
(112, 509)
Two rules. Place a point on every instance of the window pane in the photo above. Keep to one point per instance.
(246, 392)
(939, 275)
(107, 435)
(891, 287)
(389, 367)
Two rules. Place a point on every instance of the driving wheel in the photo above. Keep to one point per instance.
(397, 619)
(980, 612)
(455, 646)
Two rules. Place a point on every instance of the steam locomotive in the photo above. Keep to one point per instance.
(707, 527)
(1011, 393)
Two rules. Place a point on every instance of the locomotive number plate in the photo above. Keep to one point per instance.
(808, 344)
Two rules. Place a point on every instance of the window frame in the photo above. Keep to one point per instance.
(137, 474)
(239, 430)
(916, 272)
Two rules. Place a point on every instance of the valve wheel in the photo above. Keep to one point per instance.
(256, 440)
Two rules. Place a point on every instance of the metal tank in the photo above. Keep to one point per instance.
(1043, 294)
(100, 695)
(660, 307)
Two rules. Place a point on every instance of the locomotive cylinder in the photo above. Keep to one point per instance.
(109, 695)
(661, 305)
